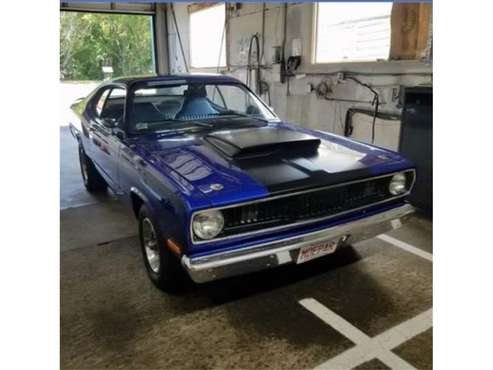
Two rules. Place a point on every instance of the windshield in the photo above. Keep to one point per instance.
(173, 105)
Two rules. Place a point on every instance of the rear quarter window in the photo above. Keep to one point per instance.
(100, 102)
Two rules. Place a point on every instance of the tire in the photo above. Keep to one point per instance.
(93, 181)
(163, 267)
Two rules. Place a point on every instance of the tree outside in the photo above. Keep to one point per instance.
(91, 41)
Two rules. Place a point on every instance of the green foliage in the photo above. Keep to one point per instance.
(89, 41)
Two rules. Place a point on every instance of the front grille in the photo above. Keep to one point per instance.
(305, 206)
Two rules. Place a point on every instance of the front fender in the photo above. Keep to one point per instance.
(167, 211)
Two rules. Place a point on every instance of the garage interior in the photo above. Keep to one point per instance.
(368, 306)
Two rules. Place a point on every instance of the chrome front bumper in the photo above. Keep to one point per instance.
(268, 255)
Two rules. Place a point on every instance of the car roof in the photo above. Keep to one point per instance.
(199, 78)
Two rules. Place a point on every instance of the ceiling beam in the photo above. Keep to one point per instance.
(115, 7)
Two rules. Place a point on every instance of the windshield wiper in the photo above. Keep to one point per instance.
(187, 122)
(175, 125)
(239, 114)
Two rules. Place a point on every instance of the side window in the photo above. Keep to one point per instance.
(100, 103)
(118, 92)
(235, 98)
(114, 105)
(214, 95)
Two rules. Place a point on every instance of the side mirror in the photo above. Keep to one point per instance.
(252, 110)
(119, 133)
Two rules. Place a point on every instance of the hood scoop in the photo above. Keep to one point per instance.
(263, 141)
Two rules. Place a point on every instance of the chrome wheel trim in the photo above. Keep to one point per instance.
(149, 239)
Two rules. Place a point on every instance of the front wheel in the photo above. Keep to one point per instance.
(93, 181)
(163, 267)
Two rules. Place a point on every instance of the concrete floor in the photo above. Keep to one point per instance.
(113, 317)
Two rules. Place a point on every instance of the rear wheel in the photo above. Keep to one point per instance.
(163, 267)
(93, 181)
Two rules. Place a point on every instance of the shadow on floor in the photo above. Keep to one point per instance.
(112, 315)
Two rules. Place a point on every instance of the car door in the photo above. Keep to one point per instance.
(105, 145)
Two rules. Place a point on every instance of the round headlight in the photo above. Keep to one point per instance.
(398, 184)
(206, 225)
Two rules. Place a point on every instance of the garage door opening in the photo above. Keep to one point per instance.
(99, 46)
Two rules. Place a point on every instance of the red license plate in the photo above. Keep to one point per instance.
(311, 252)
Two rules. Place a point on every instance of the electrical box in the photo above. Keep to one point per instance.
(296, 48)
(416, 142)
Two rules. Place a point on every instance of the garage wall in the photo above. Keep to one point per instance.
(299, 105)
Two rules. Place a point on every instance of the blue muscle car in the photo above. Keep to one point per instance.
(221, 186)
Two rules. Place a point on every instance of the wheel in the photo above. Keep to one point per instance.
(163, 267)
(93, 181)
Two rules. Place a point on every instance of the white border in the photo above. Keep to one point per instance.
(30, 170)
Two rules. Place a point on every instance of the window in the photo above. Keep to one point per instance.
(100, 103)
(231, 98)
(206, 37)
(118, 93)
(114, 105)
(236, 99)
(193, 105)
(352, 32)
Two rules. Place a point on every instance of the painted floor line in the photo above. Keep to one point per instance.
(405, 246)
(368, 348)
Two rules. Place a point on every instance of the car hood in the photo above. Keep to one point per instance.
(229, 166)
